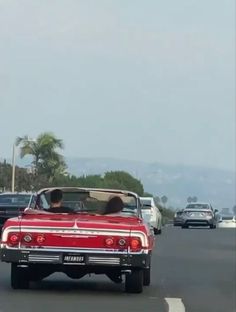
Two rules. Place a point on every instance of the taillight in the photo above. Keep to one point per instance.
(27, 238)
(122, 242)
(135, 244)
(109, 242)
(40, 239)
(14, 238)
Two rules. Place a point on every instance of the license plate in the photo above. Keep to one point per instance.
(73, 259)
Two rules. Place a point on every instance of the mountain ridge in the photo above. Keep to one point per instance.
(176, 181)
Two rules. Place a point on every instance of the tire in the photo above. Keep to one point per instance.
(147, 277)
(212, 226)
(134, 282)
(184, 226)
(19, 277)
(159, 232)
(155, 230)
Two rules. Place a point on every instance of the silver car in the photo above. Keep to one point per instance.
(178, 220)
(199, 214)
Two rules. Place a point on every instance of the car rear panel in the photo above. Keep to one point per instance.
(197, 217)
(79, 231)
(77, 240)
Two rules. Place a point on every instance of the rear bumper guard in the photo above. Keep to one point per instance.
(124, 260)
(198, 222)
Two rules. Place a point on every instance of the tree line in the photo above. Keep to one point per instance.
(48, 168)
(32, 181)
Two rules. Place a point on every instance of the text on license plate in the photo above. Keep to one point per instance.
(74, 259)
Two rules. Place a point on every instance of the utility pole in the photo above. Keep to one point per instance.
(13, 167)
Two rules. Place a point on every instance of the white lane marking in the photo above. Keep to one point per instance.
(227, 226)
(175, 304)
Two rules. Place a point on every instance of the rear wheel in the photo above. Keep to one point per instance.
(212, 226)
(184, 226)
(134, 282)
(155, 231)
(147, 277)
(19, 277)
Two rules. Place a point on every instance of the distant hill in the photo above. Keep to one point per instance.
(177, 182)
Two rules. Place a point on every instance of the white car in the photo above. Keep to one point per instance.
(151, 214)
(227, 221)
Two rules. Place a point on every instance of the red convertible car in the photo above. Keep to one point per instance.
(85, 231)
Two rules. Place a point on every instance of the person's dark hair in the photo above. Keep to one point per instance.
(56, 196)
(115, 204)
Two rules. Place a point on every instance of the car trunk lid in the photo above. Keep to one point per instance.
(79, 230)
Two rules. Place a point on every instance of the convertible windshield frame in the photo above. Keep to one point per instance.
(90, 201)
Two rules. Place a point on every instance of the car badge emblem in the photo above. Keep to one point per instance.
(75, 226)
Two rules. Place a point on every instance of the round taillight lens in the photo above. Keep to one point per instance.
(109, 242)
(135, 244)
(27, 238)
(40, 239)
(14, 238)
(122, 242)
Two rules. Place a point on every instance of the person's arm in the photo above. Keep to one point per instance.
(34, 211)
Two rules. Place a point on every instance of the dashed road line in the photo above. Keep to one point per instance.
(175, 304)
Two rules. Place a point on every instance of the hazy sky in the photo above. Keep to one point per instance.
(145, 80)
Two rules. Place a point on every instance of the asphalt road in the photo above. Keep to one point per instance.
(198, 266)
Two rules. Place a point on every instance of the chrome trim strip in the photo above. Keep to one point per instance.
(43, 260)
(44, 256)
(104, 260)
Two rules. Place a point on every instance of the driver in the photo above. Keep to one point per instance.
(56, 197)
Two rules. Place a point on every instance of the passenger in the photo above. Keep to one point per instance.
(56, 197)
(114, 205)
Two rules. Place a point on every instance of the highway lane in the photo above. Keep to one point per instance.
(195, 265)
(199, 266)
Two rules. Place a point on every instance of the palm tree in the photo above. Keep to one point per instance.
(157, 200)
(46, 159)
(195, 199)
(189, 199)
(164, 199)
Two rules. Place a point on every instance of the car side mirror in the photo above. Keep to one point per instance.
(216, 210)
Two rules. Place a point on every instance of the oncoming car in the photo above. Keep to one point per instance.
(102, 234)
(199, 214)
